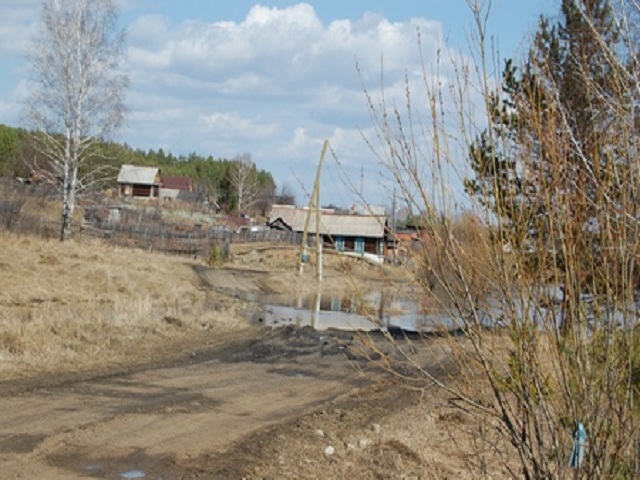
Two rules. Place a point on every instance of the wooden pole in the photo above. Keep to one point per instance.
(314, 201)
(318, 236)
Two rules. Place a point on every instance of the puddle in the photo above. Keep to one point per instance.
(373, 312)
(127, 464)
(133, 474)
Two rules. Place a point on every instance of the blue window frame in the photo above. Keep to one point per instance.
(340, 244)
(359, 247)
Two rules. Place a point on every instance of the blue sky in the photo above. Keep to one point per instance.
(271, 78)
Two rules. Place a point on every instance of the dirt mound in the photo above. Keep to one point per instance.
(290, 342)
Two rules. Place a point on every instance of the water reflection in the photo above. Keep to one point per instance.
(371, 312)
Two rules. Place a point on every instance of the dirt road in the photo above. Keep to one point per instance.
(148, 422)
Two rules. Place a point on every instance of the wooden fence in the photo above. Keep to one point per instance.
(195, 242)
(136, 228)
(152, 236)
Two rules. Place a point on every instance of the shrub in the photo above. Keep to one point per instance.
(218, 255)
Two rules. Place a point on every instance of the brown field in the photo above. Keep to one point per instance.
(90, 306)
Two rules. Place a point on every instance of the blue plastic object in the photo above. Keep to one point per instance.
(579, 441)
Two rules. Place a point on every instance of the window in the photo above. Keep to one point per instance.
(359, 248)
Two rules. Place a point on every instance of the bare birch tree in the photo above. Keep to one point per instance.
(78, 92)
(243, 180)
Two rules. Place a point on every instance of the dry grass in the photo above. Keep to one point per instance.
(90, 306)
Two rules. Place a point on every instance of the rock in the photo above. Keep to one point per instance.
(364, 443)
(329, 451)
(320, 433)
(376, 428)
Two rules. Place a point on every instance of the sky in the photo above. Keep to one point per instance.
(275, 78)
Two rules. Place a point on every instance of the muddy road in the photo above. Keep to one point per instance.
(147, 423)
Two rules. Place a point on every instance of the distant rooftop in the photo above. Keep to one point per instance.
(139, 175)
(177, 183)
(331, 223)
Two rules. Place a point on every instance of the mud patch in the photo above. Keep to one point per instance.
(20, 443)
(292, 372)
(135, 464)
(141, 398)
(287, 343)
(190, 404)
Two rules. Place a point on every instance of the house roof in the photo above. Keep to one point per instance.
(139, 175)
(334, 224)
(177, 183)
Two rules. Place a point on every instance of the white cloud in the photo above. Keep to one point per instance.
(235, 125)
(300, 138)
(289, 46)
(4, 108)
(16, 26)
(148, 29)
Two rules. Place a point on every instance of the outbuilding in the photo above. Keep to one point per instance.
(139, 182)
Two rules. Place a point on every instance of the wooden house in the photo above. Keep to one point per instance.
(355, 234)
(139, 182)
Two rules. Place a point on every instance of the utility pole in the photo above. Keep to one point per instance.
(393, 226)
(314, 203)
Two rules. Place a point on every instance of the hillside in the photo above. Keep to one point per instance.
(88, 306)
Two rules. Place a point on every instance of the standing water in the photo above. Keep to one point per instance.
(372, 312)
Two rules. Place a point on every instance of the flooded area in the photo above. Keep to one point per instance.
(376, 311)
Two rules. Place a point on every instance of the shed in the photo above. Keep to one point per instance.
(140, 182)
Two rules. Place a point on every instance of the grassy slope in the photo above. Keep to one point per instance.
(91, 306)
